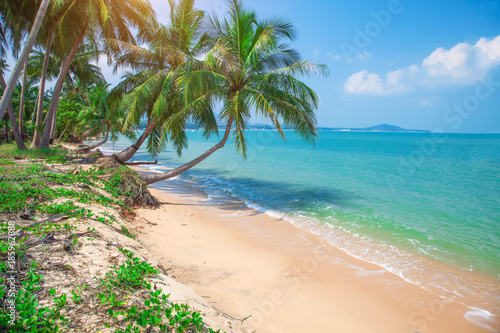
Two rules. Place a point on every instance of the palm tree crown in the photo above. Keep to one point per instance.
(152, 91)
(251, 68)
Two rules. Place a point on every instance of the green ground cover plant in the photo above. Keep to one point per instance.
(127, 298)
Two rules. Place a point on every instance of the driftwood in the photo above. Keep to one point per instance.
(52, 218)
(139, 163)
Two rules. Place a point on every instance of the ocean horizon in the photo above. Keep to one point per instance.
(425, 206)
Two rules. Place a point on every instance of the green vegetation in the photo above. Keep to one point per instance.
(31, 316)
(155, 311)
(126, 299)
(53, 154)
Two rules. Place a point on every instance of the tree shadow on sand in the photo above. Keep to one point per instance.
(233, 192)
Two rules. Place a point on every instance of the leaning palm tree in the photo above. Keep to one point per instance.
(10, 110)
(16, 19)
(96, 19)
(7, 93)
(151, 91)
(249, 69)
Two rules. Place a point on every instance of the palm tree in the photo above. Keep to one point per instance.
(102, 19)
(45, 39)
(151, 91)
(249, 68)
(24, 99)
(81, 74)
(15, 23)
(101, 115)
(81, 71)
(10, 110)
(7, 92)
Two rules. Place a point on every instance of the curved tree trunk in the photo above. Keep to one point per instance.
(12, 118)
(84, 135)
(142, 163)
(156, 177)
(102, 142)
(127, 154)
(41, 93)
(7, 93)
(21, 101)
(54, 102)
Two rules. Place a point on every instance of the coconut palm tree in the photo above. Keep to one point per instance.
(101, 115)
(151, 91)
(15, 23)
(101, 19)
(45, 41)
(81, 74)
(10, 110)
(7, 92)
(249, 69)
(24, 99)
(81, 70)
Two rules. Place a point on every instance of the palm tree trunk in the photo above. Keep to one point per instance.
(53, 126)
(156, 177)
(41, 93)
(61, 135)
(7, 93)
(44, 143)
(102, 142)
(127, 154)
(12, 118)
(6, 132)
(84, 135)
(21, 101)
(142, 163)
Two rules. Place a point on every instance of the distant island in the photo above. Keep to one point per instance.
(377, 128)
(258, 126)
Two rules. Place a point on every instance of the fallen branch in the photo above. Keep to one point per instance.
(139, 163)
(52, 218)
(50, 238)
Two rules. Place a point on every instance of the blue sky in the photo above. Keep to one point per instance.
(420, 64)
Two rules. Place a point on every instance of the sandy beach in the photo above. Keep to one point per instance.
(275, 277)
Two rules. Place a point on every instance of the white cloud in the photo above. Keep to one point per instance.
(364, 83)
(462, 64)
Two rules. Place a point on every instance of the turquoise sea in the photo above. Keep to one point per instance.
(424, 206)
